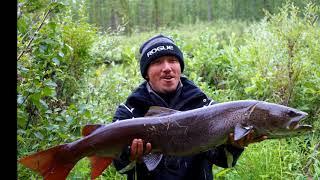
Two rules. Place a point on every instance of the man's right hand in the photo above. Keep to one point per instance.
(137, 150)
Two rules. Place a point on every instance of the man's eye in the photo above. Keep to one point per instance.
(155, 62)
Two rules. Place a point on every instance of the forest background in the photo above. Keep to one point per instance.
(77, 60)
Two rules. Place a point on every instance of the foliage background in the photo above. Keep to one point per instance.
(78, 60)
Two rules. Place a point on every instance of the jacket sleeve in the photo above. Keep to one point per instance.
(122, 112)
(225, 155)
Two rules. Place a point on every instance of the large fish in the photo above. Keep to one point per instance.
(170, 132)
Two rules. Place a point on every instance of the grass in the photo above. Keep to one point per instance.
(82, 171)
(275, 159)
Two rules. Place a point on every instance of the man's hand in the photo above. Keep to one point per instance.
(246, 140)
(137, 150)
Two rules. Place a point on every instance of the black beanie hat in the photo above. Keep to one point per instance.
(156, 47)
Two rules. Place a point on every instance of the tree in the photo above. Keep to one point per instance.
(209, 10)
(156, 14)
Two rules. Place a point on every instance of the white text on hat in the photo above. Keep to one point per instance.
(159, 48)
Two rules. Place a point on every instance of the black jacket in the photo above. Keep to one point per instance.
(187, 97)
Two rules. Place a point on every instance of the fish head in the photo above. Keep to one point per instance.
(277, 121)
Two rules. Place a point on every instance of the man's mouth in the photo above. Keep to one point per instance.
(167, 77)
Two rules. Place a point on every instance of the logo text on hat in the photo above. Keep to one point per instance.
(159, 48)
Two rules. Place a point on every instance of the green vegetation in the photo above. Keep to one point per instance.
(71, 74)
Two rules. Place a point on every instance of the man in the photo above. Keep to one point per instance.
(161, 65)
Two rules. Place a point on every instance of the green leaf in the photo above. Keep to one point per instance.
(49, 111)
(57, 109)
(82, 108)
(22, 25)
(222, 173)
(52, 25)
(69, 119)
(35, 146)
(20, 99)
(38, 135)
(58, 119)
(52, 127)
(22, 68)
(61, 54)
(22, 117)
(70, 48)
(47, 91)
(51, 83)
(21, 131)
(35, 99)
(56, 61)
(20, 139)
(87, 114)
(48, 41)
(44, 104)
(43, 48)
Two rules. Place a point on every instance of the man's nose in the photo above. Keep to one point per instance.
(166, 66)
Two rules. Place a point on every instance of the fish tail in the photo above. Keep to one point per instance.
(98, 165)
(53, 163)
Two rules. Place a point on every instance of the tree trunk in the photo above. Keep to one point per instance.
(142, 16)
(209, 10)
(90, 11)
(125, 16)
(266, 5)
(113, 20)
(156, 14)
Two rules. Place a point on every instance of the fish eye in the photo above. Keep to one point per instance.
(291, 113)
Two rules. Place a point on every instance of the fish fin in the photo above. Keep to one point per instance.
(152, 160)
(160, 111)
(131, 165)
(52, 163)
(251, 108)
(98, 165)
(240, 131)
(88, 129)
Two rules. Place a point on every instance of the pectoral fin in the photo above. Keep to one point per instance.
(240, 131)
(152, 160)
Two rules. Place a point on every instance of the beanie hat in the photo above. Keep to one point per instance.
(156, 47)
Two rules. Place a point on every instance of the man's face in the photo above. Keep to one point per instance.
(164, 74)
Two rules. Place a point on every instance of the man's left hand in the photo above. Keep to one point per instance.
(246, 140)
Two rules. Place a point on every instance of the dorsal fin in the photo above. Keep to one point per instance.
(88, 129)
(160, 111)
(250, 109)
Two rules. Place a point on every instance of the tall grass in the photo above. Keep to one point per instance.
(275, 159)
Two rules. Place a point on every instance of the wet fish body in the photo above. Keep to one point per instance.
(170, 132)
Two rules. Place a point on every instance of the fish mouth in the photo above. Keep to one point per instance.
(294, 124)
